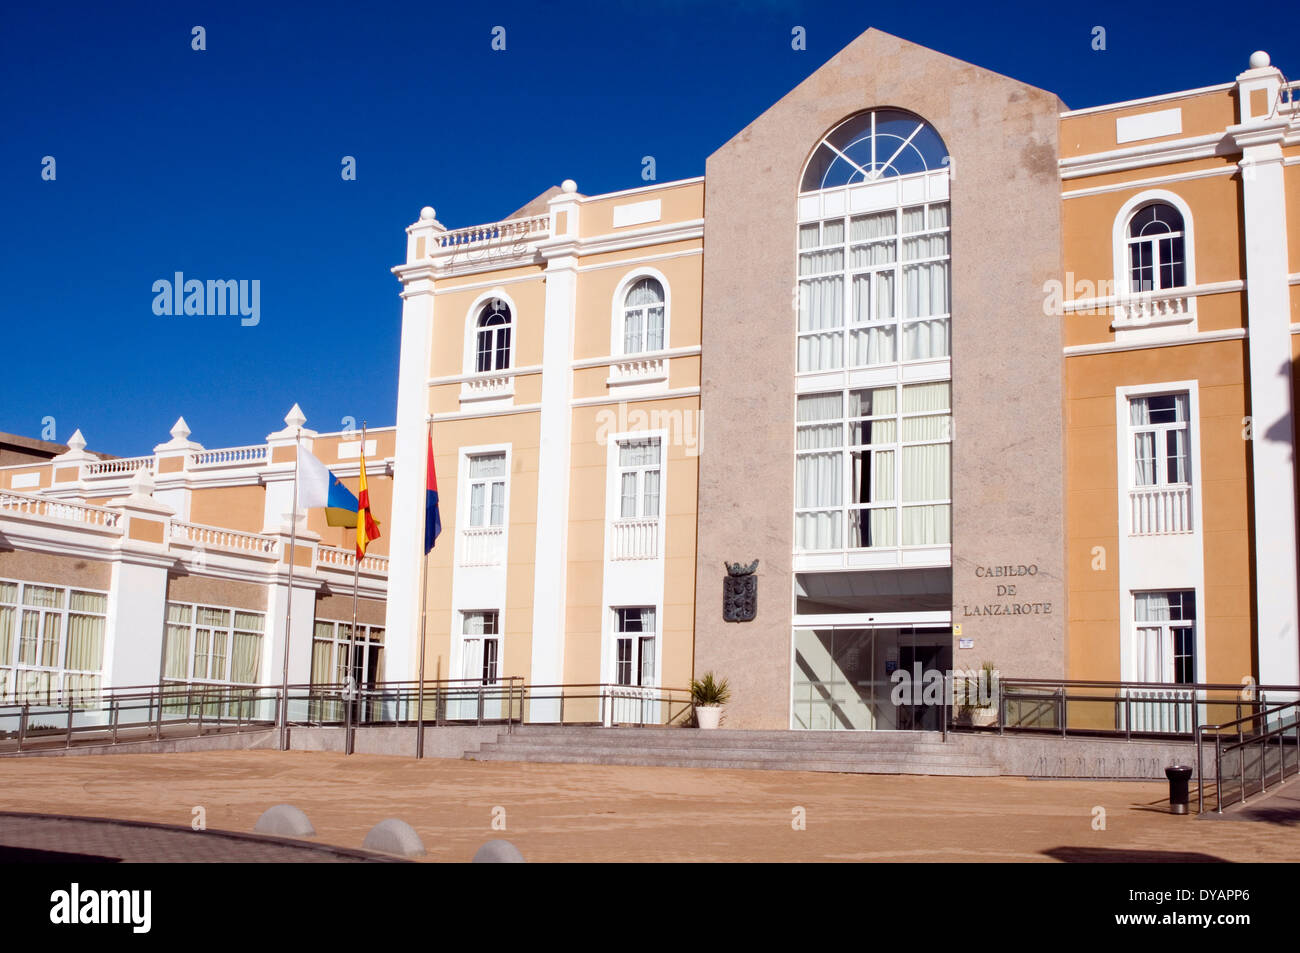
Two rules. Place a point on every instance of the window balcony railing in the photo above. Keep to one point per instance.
(1160, 510)
(124, 467)
(230, 457)
(636, 538)
(637, 371)
(487, 387)
(1152, 309)
(482, 545)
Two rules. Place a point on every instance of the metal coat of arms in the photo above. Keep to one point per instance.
(740, 592)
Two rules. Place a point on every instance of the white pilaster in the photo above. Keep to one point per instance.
(1277, 598)
(551, 562)
(406, 538)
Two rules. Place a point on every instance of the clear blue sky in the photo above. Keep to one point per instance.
(226, 163)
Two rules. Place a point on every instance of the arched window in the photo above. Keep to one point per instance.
(643, 317)
(879, 144)
(1156, 255)
(494, 336)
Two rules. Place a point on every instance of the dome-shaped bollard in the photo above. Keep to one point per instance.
(284, 820)
(498, 852)
(393, 836)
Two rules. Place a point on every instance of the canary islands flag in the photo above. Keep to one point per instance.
(367, 525)
(318, 487)
(432, 518)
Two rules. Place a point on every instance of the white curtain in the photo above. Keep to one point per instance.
(868, 227)
(246, 659)
(868, 345)
(927, 525)
(926, 339)
(914, 219)
(926, 398)
(927, 472)
(925, 289)
(644, 315)
(821, 308)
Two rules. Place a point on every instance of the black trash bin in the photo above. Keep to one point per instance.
(1179, 775)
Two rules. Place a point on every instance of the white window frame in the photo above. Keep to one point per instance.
(464, 638)
(640, 472)
(59, 673)
(1168, 646)
(898, 323)
(845, 450)
(339, 646)
(229, 630)
(471, 337)
(618, 307)
(488, 484)
(1120, 242)
(637, 639)
(1159, 443)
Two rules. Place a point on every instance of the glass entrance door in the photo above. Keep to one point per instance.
(848, 678)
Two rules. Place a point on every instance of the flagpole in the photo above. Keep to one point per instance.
(356, 582)
(288, 611)
(424, 611)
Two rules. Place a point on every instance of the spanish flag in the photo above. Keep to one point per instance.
(367, 525)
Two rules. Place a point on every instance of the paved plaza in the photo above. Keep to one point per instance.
(558, 812)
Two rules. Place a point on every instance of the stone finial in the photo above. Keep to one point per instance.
(180, 430)
(568, 186)
(427, 214)
(77, 442)
(1259, 59)
(141, 483)
(295, 417)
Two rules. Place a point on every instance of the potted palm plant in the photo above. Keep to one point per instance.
(708, 695)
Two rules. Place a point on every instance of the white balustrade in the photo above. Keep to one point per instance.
(1152, 308)
(480, 387)
(1168, 711)
(346, 559)
(636, 538)
(482, 545)
(510, 230)
(124, 467)
(214, 537)
(230, 457)
(632, 371)
(65, 510)
(1159, 510)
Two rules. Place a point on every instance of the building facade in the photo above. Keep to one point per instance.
(173, 567)
(971, 377)
(1002, 383)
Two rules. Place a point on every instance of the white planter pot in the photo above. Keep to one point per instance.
(708, 716)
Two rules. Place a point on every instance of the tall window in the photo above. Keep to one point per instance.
(480, 647)
(634, 647)
(639, 477)
(874, 289)
(1160, 440)
(487, 489)
(873, 467)
(1155, 248)
(494, 326)
(643, 317)
(1165, 625)
(212, 644)
(51, 639)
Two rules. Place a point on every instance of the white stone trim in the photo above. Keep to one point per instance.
(1110, 347)
(1158, 153)
(1160, 98)
(488, 412)
(1151, 125)
(639, 190)
(642, 259)
(1228, 170)
(629, 398)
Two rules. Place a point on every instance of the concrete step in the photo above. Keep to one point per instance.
(865, 766)
(893, 752)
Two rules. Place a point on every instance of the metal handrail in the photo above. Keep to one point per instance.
(1244, 741)
(1125, 696)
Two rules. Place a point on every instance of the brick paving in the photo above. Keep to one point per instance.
(562, 812)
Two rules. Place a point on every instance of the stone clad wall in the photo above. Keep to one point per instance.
(1007, 448)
